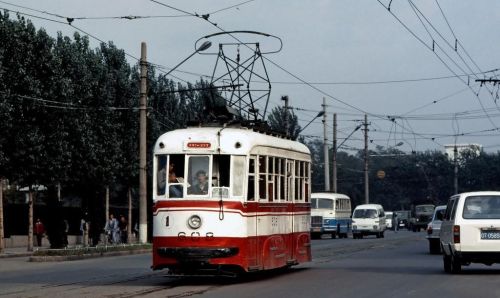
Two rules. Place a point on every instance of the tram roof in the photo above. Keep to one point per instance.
(233, 140)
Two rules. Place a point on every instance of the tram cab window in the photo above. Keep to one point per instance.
(161, 174)
(198, 175)
(174, 174)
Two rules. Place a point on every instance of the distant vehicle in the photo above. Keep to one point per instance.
(470, 232)
(421, 216)
(433, 229)
(330, 214)
(368, 219)
(389, 218)
(403, 218)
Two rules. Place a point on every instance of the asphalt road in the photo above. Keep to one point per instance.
(396, 266)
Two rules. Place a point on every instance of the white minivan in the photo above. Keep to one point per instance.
(368, 219)
(470, 231)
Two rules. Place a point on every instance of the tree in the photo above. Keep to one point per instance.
(278, 118)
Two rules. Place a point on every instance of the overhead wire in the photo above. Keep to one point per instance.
(439, 58)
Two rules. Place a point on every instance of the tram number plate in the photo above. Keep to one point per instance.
(490, 234)
(316, 229)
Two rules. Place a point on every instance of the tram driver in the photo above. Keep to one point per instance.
(201, 188)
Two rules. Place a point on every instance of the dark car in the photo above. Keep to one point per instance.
(421, 216)
(403, 218)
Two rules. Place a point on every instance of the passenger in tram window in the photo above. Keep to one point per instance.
(201, 188)
(174, 191)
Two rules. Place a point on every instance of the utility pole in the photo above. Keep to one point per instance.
(455, 171)
(106, 210)
(367, 190)
(287, 125)
(143, 216)
(30, 218)
(325, 148)
(129, 224)
(1, 216)
(334, 153)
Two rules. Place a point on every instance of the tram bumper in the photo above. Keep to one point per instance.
(197, 253)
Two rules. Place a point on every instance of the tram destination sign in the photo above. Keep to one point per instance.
(198, 145)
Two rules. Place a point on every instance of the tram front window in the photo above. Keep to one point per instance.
(161, 174)
(175, 179)
(198, 169)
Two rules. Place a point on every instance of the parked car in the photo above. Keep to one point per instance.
(421, 216)
(470, 231)
(389, 219)
(368, 219)
(433, 229)
(403, 218)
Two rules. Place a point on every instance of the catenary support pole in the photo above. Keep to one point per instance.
(325, 148)
(334, 153)
(2, 245)
(367, 186)
(143, 221)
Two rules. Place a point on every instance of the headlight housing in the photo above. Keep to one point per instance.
(194, 222)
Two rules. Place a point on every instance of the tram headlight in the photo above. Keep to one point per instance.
(194, 222)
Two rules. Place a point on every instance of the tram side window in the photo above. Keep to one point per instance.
(239, 170)
(161, 174)
(271, 184)
(262, 177)
(251, 180)
(282, 175)
(307, 181)
(299, 179)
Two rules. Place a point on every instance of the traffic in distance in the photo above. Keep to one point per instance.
(465, 231)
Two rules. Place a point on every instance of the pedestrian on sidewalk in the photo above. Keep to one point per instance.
(39, 231)
(112, 229)
(123, 229)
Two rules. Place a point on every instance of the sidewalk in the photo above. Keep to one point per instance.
(101, 251)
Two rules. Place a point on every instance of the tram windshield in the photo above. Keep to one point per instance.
(180, 175)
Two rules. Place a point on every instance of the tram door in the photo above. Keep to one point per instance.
(254, 255)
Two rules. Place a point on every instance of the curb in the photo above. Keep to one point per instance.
(87, 256)
(15, 255)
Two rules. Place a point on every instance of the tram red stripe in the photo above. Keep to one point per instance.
(243, 207)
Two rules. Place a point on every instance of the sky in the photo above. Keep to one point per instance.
(411, 68)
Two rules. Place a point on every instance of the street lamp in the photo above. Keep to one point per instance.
(143, 223)
(319, 115)
(207, 44)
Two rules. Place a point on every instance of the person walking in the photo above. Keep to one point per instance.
(123, 229)
(39, 231)
(66, 231)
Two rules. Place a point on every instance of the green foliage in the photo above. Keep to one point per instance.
(410, 179)
(277, 121)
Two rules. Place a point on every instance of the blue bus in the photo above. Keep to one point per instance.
(330, 214)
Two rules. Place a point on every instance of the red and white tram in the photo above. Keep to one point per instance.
(230, 200)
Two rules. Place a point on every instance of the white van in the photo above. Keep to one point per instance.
(368, 219)
(470, 231)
